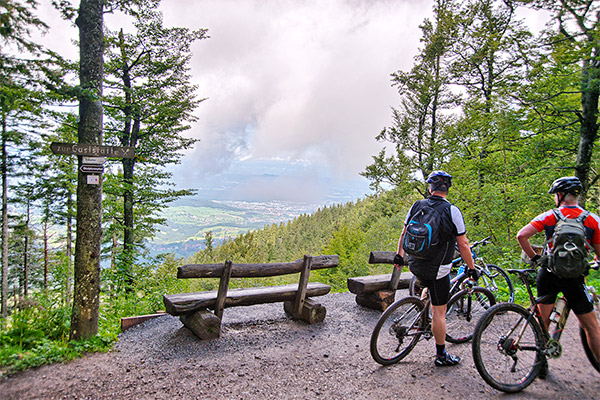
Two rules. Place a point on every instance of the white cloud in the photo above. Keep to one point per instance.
(290, 79)
(286, 79)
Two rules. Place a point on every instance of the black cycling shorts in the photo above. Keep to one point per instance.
(439, 289)
(574, 290)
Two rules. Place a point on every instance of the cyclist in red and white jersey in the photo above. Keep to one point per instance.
(566, 194)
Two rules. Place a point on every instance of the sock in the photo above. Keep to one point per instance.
(440, 349)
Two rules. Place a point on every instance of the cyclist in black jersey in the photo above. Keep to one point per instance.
(434, 274)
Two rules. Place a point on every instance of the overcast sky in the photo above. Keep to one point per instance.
(297, 89)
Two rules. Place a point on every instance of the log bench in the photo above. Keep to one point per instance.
(379, 291)
(193, 308)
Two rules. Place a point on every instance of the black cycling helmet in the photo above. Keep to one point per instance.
(566, 184)
(439, 180)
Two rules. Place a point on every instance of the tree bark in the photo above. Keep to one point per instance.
(86, 296)
(3, 167)
(588, 131)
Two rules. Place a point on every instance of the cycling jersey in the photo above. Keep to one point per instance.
(574, 289)
(547, 222)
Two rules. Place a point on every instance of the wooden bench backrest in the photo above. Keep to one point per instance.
(254, 270)
(381, 257)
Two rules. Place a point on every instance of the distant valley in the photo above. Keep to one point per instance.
(189, 219)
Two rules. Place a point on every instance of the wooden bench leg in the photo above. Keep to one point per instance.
(203, 324)
(379, 300)
(311, 312)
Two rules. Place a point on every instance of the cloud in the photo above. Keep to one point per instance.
(286, 80)
(303, 80)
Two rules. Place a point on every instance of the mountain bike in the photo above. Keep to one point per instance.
(491, 277)
(406, 321)
(511, 343)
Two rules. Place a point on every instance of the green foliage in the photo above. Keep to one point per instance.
(37, 333)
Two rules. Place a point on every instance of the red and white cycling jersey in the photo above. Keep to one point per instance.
(547, 222)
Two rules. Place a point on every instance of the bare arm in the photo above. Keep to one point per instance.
(597, 251)
(523, 238)
(465, 250)
(400, 249)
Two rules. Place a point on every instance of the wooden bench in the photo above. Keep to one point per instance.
(379, 291)
(192, 308)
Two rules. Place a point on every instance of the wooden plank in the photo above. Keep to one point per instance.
(395, 278)
(254, 270)
(302, 282)
(379, 300)
(312, 312)
(381, 257)
(128, 322)
(222, 292)
(203, 324)
(373, 283)
(187, 303)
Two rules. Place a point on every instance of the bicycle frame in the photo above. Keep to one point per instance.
(550, 349)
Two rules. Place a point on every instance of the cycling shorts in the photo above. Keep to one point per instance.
(574, 290)
(439, 289)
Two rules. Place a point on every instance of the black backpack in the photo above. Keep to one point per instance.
(424, 233)
(568, 258)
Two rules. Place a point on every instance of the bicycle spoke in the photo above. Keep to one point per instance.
(464, 310)
(397, 331)
(507, 348)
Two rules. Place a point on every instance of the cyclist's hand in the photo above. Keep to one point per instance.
(398, 260)
(473, 274)
(535, 260)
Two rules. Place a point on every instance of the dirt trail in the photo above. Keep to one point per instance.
(264, 355)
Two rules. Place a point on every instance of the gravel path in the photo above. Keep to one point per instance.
(262, 354)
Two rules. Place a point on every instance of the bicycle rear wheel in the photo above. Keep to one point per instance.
(498, 282)
(397, 331)
(464, 310)
(507, 347)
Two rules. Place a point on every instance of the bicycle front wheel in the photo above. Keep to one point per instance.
(507, 347)
(398, 331)
(464, 310)
(498, 282)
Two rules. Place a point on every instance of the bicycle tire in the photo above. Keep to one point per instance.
(463, 312)
(414, 289)
(588, 352)
(402, 320)
(493, 348)
(499, 283)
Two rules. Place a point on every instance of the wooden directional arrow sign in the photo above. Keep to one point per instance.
(91, 169)
(93, 150)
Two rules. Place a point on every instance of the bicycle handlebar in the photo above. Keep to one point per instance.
(482, 242)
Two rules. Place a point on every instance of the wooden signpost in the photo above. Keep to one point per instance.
(92, 150)
(93, 156)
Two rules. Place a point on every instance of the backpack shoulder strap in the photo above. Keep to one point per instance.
(583, 216)
(559, 215)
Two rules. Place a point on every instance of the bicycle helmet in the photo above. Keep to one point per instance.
(439, 180)
(566, 184)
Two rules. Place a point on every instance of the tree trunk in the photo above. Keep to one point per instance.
(86, 296)
(3, 167)
(588, 132)
(128, 237)
(46, 258)
(26, 253)
(69, 245)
